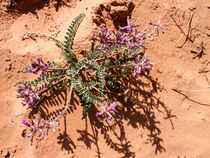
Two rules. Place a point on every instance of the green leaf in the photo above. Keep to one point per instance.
(18, 83)
(69, 38)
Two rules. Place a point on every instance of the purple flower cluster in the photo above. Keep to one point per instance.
(141, 66)
(38, 126)
(29, 94)
(107, 109)
(155, 30)
(133, 36)
(39, 65)
(125, 36)
(105, 39)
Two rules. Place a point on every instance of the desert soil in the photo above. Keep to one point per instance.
(176, 122)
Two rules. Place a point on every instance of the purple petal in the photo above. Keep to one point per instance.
(149, 67)
(137, 58)
(26, 123)
(33, 71)
(128, 29)
(98, 114)
(42, 132)
(120, 46)
(31, 134)
(109, 118)
(137, 75)
(163, 31)
(23, 103)
(146, 59)
(39, 119)
(143, 38)
(132, 47)
(113, 106)
(125, 40)
(31, 101)
(110, 32)
(42, 75)
(102, 29)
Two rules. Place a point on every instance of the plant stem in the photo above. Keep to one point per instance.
(48, 88)
(69, 97)
(63, 113)
(57, 69)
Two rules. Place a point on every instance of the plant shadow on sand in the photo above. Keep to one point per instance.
(138, 113)
(50, 109)
(64, 139)
(137, 110)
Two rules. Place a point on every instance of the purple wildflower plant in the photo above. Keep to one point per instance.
(30, 95)
(39, 65)
(40, 128)
(116, 53)
(142, 66)
(107, 109)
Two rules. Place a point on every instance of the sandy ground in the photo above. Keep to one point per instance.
(176, 123)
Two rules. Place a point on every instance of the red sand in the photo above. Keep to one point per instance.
(173, 124)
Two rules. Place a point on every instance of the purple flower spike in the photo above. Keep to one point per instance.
(142, 66)
(28, 94)
(107, 109)
(38, 126)
(39, 65)
(135, 40)
(105, 39)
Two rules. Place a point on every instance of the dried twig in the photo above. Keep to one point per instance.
(17, 115)
(208, 81)
(34, 35)
(188, 31)
(177, 25)
(200, 51)
(205, 69)
(180, 92)
(188, 34)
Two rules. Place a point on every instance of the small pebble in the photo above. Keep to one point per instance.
(8, 59)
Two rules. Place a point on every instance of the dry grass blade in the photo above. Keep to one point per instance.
(188, 34)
